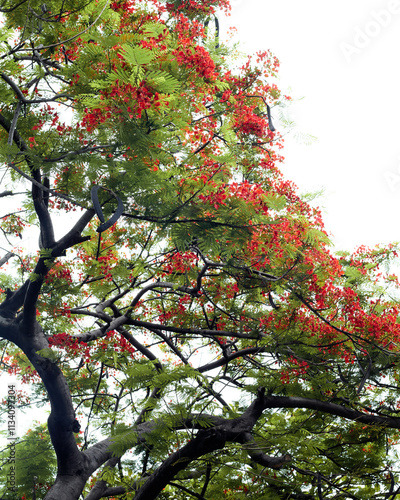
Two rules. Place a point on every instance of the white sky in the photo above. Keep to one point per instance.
(343, 58)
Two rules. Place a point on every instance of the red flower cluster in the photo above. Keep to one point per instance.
(136, 99)
(247, 122)
(180, 262)
(76, 348)
(59, 271)
(123, 6)
(214, 198)
(63, 340)
(199, 6)
(199, 59)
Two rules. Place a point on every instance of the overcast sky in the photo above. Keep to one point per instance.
(343, 58)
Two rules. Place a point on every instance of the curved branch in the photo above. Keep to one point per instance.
(255, 453)
(193, 331)
(159, 284)
(72, 238)
(230, 357)
(13, 8)
(74, 235)
(14, 301)
(206, 441)
(6, 258)
(331, 408)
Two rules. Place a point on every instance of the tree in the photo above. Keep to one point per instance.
(180, 312)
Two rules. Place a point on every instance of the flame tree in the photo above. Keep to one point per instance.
(167, 296)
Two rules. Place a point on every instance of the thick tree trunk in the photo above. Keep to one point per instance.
(67, 488)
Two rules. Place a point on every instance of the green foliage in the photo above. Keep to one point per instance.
(37, 474)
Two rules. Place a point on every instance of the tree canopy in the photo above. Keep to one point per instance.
(168, 297)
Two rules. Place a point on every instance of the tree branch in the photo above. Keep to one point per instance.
(193, 331)
(331, 408)
(6, 258)
(206, 441)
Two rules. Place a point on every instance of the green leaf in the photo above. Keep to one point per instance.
(138, 56)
